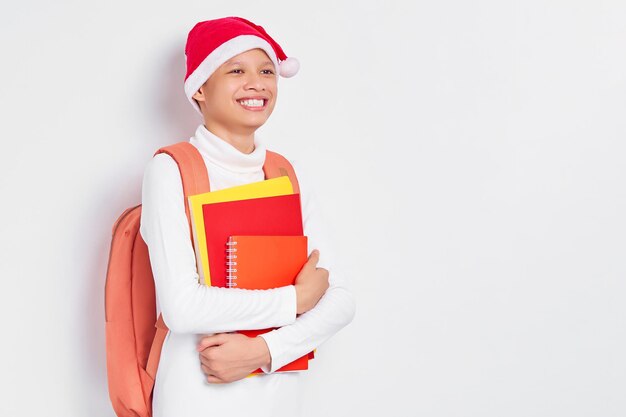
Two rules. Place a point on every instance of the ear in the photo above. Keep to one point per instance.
(199, 95)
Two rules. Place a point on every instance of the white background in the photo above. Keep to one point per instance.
(469, 157)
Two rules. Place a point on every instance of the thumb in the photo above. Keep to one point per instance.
(208, 341)
(314, 258)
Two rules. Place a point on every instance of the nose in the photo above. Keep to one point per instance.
(254, 81)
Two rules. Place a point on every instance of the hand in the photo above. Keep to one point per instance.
(228, 357)
(311, 283)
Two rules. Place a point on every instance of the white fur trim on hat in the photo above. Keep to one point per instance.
(221, 54)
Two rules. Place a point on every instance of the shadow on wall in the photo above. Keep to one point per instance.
(167, 118)
(168, 106)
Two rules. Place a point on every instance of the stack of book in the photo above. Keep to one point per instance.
(250, 237)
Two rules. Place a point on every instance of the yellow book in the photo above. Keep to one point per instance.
(267, 188)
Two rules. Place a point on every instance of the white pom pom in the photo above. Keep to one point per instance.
(289, 67)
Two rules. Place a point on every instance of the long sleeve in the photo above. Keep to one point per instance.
(334, 310)
(186, 305)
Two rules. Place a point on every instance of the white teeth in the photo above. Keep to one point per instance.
(252, 103)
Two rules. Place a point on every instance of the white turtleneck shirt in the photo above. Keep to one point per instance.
(192, 310)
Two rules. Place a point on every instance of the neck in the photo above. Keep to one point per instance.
(243, 141)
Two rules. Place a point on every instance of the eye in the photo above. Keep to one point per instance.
(236, 70)
(269, 71)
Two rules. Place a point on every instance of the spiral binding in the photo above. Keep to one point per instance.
(231, 265)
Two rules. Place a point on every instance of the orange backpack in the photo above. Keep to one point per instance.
(134, 335)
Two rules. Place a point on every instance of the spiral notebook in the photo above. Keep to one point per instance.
(264, 262)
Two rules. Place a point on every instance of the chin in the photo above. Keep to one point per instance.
(255, 126)
(255, 123)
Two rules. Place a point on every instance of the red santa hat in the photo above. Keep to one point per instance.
(213, 42)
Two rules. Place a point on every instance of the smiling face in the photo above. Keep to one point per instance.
(240, 95)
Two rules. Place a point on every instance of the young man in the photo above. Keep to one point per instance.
(232, 77)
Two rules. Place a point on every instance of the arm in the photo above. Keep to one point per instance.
(334, 310)
(186, 305)
(227, 357)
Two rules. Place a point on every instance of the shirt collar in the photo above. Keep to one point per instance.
(225, 155)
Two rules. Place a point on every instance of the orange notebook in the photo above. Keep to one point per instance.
(264, 262)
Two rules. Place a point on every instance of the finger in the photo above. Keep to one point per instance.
(324, 272)
(206, 369)
(210, 378)
(204, 360)
(313, 258)
(208, 341)
(214, 380)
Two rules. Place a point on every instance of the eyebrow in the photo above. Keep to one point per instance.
(239, 62)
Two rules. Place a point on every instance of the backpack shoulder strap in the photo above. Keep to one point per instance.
(277, 165)
(192, 170)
